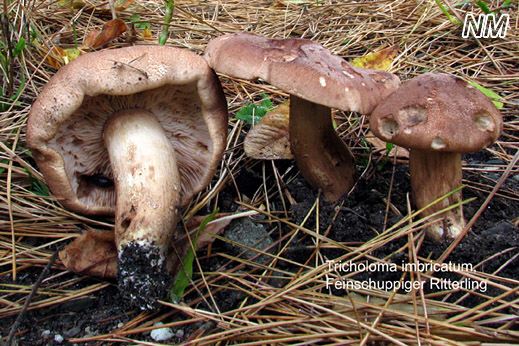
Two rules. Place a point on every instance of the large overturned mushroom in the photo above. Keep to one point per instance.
(316, 80)
(437, 116)
(134, 132)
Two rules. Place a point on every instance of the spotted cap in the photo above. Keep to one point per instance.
(302, 68)
(439, 112)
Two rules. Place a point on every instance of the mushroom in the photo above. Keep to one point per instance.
(134, 132)
(316, 81)
(437, 116)
(269, 139)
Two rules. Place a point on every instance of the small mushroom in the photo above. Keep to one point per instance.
(269, 139)
(316, 81)
(437, 116)
(134, 132)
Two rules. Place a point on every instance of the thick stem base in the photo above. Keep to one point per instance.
(434, 174)
(322, 157)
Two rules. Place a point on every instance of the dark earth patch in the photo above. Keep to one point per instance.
(359, 219)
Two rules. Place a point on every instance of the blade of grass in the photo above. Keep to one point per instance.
(496, 99)
(483, 6)
(184, 275)
(168, 15)
(446, 12)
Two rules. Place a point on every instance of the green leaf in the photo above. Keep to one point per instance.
(135, 19)
(184, 275)
(20, 46)
(389, 147)
(496, 99)
(506, 3)
(252, 113)
(266, 103)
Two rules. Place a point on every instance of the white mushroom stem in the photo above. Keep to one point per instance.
(147, 187)
(433, 175)
(146, 178)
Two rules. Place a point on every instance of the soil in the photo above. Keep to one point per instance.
(359, 218)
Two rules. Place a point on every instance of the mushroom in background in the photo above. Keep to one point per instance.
(269, 139)
(316, 81)
(134, 132)
(437, 116)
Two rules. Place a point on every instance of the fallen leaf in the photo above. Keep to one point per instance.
(110, 31)
(146, 33)
(58, 57)
(54, 57)
(379, 60)
(71, 54)
(381, 146)
(90, 38)
(269, 139)
(93, 253)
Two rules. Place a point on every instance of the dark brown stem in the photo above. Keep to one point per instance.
(322, 157)
(434, 174)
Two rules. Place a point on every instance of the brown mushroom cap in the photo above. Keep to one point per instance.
(65, 126)
(302, 68)
(437, 112)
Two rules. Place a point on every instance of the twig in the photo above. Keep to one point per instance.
(35, 287)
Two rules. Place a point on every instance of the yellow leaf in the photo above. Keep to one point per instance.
(55, 57)
(379, 60)
(70, 54)
(146, 33)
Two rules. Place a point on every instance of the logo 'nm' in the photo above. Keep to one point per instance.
(485, 26)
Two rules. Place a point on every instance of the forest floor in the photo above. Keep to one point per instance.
(263, 280)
